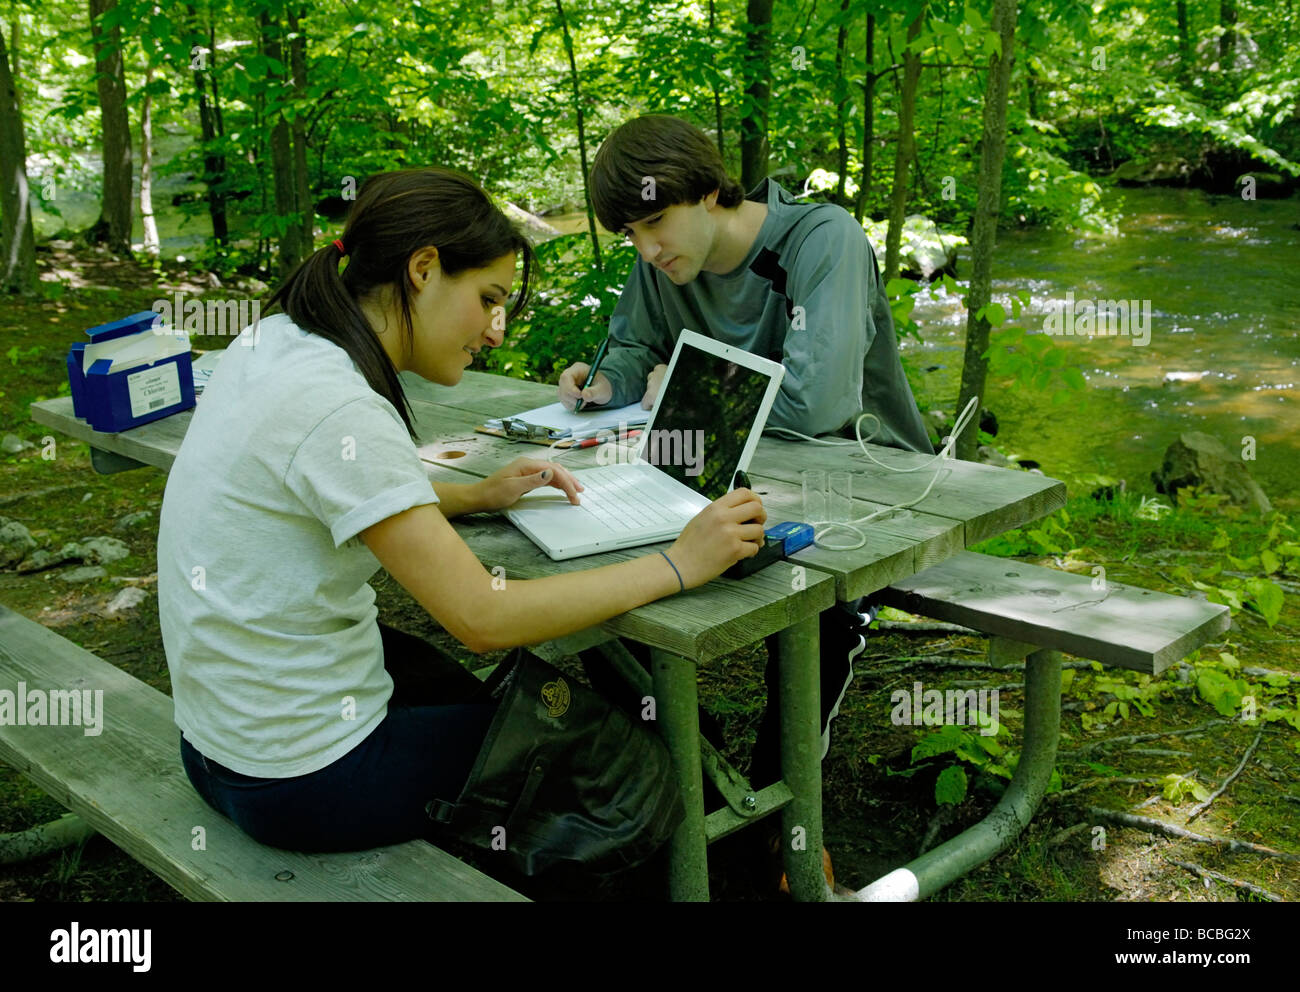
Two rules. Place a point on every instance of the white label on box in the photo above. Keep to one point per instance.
(152, 390)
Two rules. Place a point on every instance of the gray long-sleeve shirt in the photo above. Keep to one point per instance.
(808, 295)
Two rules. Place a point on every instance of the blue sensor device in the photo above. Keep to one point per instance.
(779, 541)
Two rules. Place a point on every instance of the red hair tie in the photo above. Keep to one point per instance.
(339, 245)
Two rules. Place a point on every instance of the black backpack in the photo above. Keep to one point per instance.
(563, 779)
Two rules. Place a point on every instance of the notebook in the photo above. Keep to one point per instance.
(706, 422)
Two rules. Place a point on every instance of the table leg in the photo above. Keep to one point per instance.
(801, 765)
(677, 710)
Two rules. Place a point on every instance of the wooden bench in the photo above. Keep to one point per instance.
(127, 782)
(1116, 624)
(1036, 614)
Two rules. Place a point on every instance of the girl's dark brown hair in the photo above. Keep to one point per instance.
(395, 215)
(681, 159)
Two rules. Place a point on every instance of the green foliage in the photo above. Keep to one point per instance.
(1032, 360)
(570, 312)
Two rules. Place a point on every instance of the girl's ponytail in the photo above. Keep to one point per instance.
(395, 215)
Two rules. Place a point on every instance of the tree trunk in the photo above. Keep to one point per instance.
(717, 97)
(16, 53)
(993, 147)
(1228, 40)
(582, 136)
(906, 149)
(1184, 42)
(17, 242)
(214, 165)
(841, 108)
(151, 244)
(758, 90)
(282, 162)
(114, 224)
(298, 62)
(868, 119)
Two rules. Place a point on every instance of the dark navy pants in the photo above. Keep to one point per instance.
(376, 793)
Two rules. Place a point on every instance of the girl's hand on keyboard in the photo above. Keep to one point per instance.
(728, 529)
(504, 486)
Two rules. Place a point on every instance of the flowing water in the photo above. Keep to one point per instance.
(1223, 279)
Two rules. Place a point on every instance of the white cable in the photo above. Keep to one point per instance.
(945, 452)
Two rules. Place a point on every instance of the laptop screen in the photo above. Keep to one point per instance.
(704, 419)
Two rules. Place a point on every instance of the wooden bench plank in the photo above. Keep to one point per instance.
(1120, 625)
(128, 783)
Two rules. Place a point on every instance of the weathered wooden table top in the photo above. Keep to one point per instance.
(967, 504)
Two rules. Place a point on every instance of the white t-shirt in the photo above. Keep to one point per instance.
(267, 619)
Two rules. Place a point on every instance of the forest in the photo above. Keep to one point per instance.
(1006, 159)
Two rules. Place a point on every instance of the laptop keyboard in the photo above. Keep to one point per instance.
(621, 501)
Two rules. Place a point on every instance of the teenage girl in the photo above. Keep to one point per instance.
(305, 721)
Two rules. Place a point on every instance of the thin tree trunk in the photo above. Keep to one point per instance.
(114, 224)
(151, 243)
(282, 162)
(906, 150)
(868, 120)
(717, 97)
(1184, 42)
(974, 370)
(17, 242)
(16, 51)
(1031, 89)
(298, 62)
(214, 164)
(1228, 39)
(758, 87)
(841, 108)
(582, 136)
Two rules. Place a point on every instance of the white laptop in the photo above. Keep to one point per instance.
(707, 420)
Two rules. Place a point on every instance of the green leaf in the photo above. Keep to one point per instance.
(950, 786)
(942, 741)
(1267, 597)
(1269, 561)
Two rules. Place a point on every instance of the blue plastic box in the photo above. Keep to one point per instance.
(117, 401)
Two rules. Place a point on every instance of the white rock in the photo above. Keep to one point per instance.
(104, 549)
(126, 599)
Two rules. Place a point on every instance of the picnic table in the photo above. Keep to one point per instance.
(968, 504)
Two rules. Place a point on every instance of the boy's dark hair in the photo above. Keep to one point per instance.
(395, 215)
(681, 159)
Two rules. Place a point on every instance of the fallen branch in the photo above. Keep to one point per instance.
(11, 500)
(1135, 738)
(1266, 672)
(903, 627)
(1201, 807)
(1098, 781)
(1235, 882)
(38, 841)
(1151, 826)
(1061, 836)
(1159, 752)
(937, 822)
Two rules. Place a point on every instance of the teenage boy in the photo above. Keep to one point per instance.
(793, 282)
